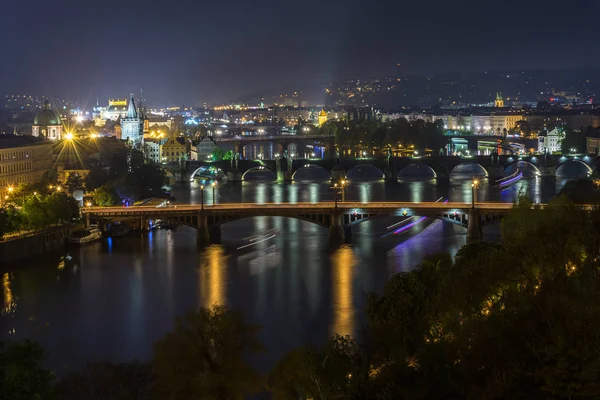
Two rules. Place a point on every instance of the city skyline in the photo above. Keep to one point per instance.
(191, 53)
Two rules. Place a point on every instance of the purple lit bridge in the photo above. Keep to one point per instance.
(338, 217)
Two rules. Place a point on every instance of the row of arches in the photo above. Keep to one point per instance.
(467, 170)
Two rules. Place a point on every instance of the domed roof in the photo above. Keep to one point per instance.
(47, 117)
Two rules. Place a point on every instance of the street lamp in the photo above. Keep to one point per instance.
(58, 188)
(474, 187)
(202, 196)
(343, 190)
(213, 186)
(335, 193)
(88, 204)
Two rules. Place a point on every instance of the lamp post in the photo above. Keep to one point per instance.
(474, 187)
(214, 184)
(202, 196)
(335, 194)
(343, 190)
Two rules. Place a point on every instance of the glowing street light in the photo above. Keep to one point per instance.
(69, 136)
(343, 184)
(202, 196)
(10, 189)
(474, 187)
(88, 204)
(58, 188)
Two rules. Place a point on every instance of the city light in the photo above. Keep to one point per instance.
(88, 204)
(69, 136)
(79, 118)
(10, 189)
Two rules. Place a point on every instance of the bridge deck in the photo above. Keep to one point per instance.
(295, 207)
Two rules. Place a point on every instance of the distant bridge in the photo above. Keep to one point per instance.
(440, 166)
(338, 217)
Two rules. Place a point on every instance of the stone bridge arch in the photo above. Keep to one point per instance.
(310, 165)
(258, 168)
(417, 165)
(468, 162)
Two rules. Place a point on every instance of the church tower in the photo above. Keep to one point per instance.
(322, 118)
(499, 102)
(132, 125)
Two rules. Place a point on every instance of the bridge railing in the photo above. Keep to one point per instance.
(301, 205)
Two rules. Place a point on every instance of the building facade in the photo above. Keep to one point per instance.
(173, 150)
(592, 145)
(22, 161)
(152, 149)
(203, 150)
(116, 109)
(551, 141)
(132, 126)
(47, 124)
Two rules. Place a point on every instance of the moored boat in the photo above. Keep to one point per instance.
(86, 236)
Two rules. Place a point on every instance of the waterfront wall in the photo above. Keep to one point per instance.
(21, 248)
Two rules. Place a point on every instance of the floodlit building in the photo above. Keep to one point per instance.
(152, 148)
(132, 126)
(203, 150)
(551, 141)
(22, 160)
(116, 109)
(173, 150)
(47, 124)
(322, 118)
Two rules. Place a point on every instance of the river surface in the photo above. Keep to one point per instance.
(117, 297)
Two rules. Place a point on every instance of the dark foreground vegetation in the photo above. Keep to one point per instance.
(516, 320)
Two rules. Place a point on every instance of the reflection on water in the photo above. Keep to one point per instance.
(8, 297)
(213, 277)
(343, 263)
(127, 290)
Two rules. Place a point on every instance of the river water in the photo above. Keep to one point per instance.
(117, 297)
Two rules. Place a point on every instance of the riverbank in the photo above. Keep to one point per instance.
(35, 243)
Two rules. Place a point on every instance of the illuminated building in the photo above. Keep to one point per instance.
(203, 150)
(173, 150)
(322, 118)
(132, 126)
(152, 148)
(551, 141)
(22, 160)
(499, 102)
(47, 124)
(116, 109)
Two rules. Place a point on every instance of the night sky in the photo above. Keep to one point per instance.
(193, 51)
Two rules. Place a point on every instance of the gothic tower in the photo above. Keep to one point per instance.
(132, 125)
(499, 102)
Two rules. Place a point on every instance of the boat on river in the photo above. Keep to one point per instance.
(86, 236)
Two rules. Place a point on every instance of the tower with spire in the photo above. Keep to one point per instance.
(499, 102)
(132, 125)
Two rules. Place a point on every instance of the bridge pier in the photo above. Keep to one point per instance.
(336, 230)
(234, 176)
(87, 220)
(474, 231)
(284, 176)
(391, 174)
(202, 233)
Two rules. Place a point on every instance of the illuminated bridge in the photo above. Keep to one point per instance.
(337, 217)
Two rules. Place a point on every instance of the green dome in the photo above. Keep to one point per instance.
(47, 117)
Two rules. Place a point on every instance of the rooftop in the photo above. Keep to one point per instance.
(10, 141)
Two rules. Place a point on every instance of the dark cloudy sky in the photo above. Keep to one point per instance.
(196, 51)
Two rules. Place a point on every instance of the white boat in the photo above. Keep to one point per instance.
(86, 236)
